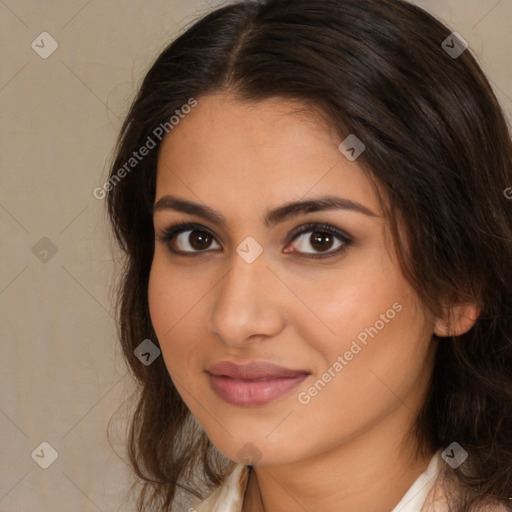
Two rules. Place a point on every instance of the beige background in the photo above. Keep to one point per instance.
(62, 374)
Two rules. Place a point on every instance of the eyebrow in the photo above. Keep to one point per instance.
(272, 217)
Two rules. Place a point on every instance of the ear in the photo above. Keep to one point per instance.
(456, 320)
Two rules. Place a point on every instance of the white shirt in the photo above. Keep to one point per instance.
(229, 496)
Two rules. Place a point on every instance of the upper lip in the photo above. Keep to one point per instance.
(253, 370)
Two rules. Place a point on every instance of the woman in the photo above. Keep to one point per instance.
(310, 196)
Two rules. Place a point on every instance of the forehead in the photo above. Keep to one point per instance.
(226, 151)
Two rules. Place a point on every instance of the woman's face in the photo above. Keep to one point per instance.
(333, 307)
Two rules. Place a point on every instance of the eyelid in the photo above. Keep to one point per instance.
(319, 226)
(175, 228)
(171, 231)
(168, 234)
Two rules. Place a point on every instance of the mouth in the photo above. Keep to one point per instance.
(255, 384)
(247, 392)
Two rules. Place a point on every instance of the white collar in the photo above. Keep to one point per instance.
(416, 496)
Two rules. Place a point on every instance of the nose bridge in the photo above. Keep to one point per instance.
(244, 283)
(243, 305)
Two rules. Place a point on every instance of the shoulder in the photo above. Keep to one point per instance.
(229, 496)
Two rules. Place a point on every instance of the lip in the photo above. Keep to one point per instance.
(256, 383)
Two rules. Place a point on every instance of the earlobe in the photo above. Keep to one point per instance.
(458, 320)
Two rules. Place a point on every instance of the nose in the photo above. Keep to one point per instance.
(247, 305)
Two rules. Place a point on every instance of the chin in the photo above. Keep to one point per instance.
(258, 453)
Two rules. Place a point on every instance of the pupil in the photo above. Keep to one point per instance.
(318, 238)
(201, 238)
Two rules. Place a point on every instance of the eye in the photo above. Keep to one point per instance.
(186, 236)
(192, 239)
(321, 237)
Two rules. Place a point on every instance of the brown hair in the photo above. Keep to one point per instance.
(437, 144)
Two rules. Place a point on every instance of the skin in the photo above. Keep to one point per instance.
(347, 449)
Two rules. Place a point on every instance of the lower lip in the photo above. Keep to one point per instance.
(252, 392)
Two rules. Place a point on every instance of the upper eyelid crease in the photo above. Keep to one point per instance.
(272, 217)
(180, 227)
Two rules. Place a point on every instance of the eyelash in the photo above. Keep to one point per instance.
(172, 230)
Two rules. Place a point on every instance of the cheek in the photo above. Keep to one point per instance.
(372, 318)
(171, 303)
(171, 296)
(159, 303)
(352, 301)
(159, 298)
(383, 340)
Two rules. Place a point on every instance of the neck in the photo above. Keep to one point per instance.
(364, 473)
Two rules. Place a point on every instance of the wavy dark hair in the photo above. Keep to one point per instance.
(437, 145)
